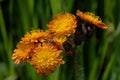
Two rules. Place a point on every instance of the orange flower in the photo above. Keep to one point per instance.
(63, 24)
(91, 18)
(22, 52)
(35, 36)
(46, 58)
(35, 48)
(27, 44)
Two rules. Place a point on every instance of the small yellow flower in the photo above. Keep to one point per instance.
(63, 24)
(27, 44)
(58, 41)
(46, 58)
(91, 18)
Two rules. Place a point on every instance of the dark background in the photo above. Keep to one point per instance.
(96, 59)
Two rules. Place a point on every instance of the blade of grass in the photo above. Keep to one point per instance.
(54, 76)
(35, 21)
(10, 48)
(11, 10)
(43, 13)
(3, 29)
(24, 16)
(56, 6)
(109, 66)
(93, 70)
(104, 49)
(30, 6)
(117, 31)
(69, 4)
(31, 73)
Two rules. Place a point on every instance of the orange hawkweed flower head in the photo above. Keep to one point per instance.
(46, 58)
(63, 24)
(91, 18)
(27, 44)
(22, 52)
(35, 36)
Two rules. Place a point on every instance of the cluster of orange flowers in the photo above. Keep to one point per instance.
(42, 49)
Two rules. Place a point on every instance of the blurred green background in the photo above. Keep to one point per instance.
(97, 58)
